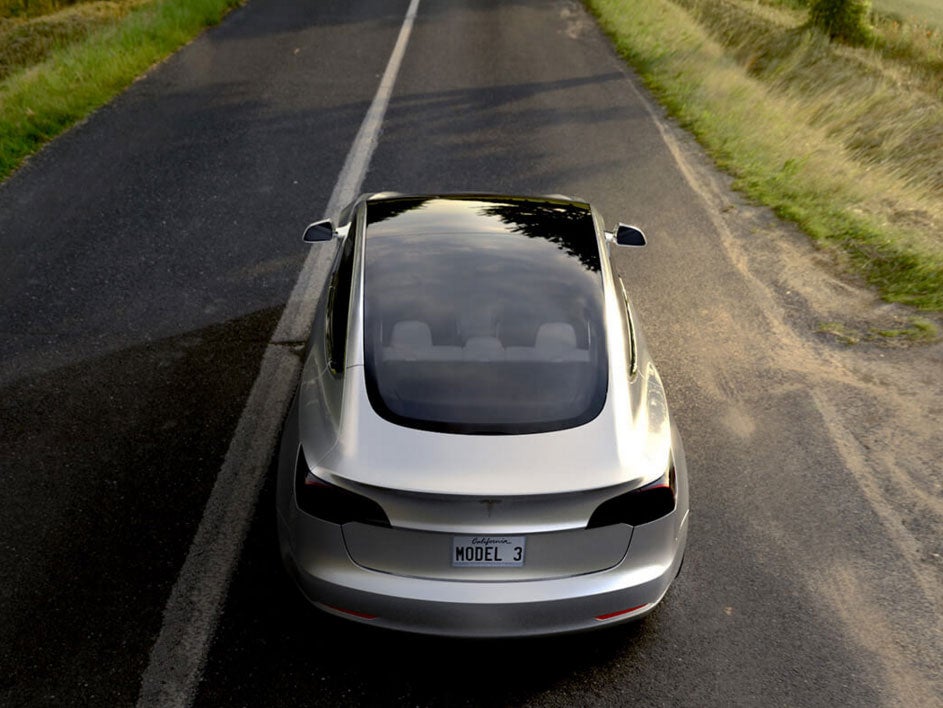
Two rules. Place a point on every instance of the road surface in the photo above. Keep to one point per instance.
(149, 253)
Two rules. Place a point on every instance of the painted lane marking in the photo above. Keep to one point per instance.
(192, 611)
(295, 323)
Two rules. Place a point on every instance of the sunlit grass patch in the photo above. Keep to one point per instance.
(920, 11)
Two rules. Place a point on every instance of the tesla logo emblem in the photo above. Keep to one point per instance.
(490, 504)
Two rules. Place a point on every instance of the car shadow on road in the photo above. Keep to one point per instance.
(272, 648)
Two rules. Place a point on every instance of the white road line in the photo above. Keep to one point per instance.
(193, 609)
(296, 319)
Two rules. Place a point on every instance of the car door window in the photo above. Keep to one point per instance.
(338, 307)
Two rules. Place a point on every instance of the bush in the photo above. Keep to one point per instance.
(844, 20)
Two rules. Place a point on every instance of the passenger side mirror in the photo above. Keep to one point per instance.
(630, 236)
(319, 231)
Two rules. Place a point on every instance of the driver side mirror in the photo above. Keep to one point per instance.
(319, 231)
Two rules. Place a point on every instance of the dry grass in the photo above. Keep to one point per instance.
(73, 60)
(36, 8)
(926, 12)
(884, 112)
(846, 142)
(26, 40)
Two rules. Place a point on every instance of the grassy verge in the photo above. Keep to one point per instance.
(848, 143)
(59, 67)
(30, 31)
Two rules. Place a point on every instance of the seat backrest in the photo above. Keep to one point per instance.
(409, 339)
(556, 341)
(479, 321)
(483, 349)
(556, 334)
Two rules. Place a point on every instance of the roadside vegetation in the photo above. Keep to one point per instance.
(62, 59)
(916, 329)
(841, 133)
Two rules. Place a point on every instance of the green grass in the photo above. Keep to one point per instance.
(841, 333)
(848, 143)
(915, 329)
(97, 51)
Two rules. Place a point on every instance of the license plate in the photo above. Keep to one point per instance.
(488, 551)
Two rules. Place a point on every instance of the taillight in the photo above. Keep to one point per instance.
(332, 503)
(640, 506)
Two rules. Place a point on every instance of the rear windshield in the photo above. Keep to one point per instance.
(483, 317)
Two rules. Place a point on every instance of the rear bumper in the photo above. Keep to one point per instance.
(334, 583)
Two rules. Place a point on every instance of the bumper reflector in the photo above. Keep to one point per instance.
(354, 613)
(619, 613)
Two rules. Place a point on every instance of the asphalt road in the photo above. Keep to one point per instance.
(147, 257)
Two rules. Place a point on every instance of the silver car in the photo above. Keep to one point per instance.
(480, 444)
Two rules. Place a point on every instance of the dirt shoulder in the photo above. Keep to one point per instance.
(880, 401)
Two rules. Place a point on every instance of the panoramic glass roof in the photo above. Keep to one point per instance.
(483, 315)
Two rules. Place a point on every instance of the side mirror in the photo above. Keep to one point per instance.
(630, 236)
(319, 231)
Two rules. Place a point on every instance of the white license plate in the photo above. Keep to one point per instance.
(488, 551)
